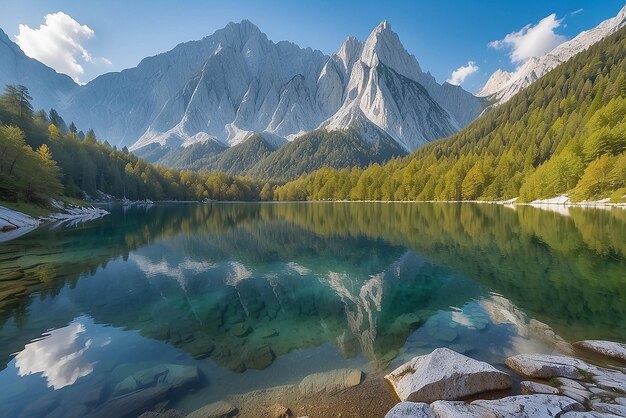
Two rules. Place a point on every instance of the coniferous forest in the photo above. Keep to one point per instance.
(41, 157)
(566, 133)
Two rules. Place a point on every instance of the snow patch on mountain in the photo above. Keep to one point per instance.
(503, 90)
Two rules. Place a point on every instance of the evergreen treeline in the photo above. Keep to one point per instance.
(41, 157)
(564, 134)
(258, 158)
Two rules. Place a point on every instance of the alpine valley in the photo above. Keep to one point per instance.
(238, 102)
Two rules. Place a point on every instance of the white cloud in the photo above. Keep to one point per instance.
(575, 12)
(460, 74)
(59, 43)
(531, 41)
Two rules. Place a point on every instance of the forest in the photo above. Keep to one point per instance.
(41, 157)
(565, 134)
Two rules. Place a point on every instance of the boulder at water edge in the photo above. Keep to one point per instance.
(445, 375)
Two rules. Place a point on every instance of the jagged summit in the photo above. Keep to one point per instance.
(384, 46)
(237, 82)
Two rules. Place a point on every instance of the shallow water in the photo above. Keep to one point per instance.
(260, 295)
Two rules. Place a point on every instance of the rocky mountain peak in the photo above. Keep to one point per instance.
(383, 46)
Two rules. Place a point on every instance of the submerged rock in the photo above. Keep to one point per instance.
(443, 334)
(170, 375)
(259, 358)
(530, 406)
(606, 348)
(134, 403)
(330, 382)
(241, 330)
(445, 375)
(220, 409)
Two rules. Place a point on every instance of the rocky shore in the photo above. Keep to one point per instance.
(590, 383)
(14, 224)
(436, 385)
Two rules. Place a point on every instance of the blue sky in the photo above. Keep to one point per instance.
(443, 34)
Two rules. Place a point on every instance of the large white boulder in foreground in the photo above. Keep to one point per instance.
(606, 348)
(530, 406)
(445, 375)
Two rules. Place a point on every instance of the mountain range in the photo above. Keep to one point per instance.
(235, 101)
(503, 85)
(221, 90)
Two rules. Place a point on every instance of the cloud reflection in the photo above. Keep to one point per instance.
(59, 356)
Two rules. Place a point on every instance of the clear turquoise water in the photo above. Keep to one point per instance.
(259, 295)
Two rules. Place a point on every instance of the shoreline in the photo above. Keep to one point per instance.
(14, 224)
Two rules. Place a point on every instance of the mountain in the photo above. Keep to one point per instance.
(237, 82)
(322, 148)
(226, 87)
(563, 135)
(47, 87)
(503, 85)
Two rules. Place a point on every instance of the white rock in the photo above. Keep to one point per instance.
(575, 396)
(528, 388)
(445, 375)
(542, 366)
(13, 223)
(530, 406)
(587, 414)
(564, 381)
(606, 348)
(609, 408)
(411, 410)
(460, 409)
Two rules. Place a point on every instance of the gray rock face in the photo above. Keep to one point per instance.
(411, 410)
(459, 409)
(219, 409)
(445, 375)
(330, 382)
(606, 348)
(530, 406)
(47, 87)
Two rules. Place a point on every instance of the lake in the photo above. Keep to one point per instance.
(217, 300)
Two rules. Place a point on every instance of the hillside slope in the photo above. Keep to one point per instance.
(566, 133)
